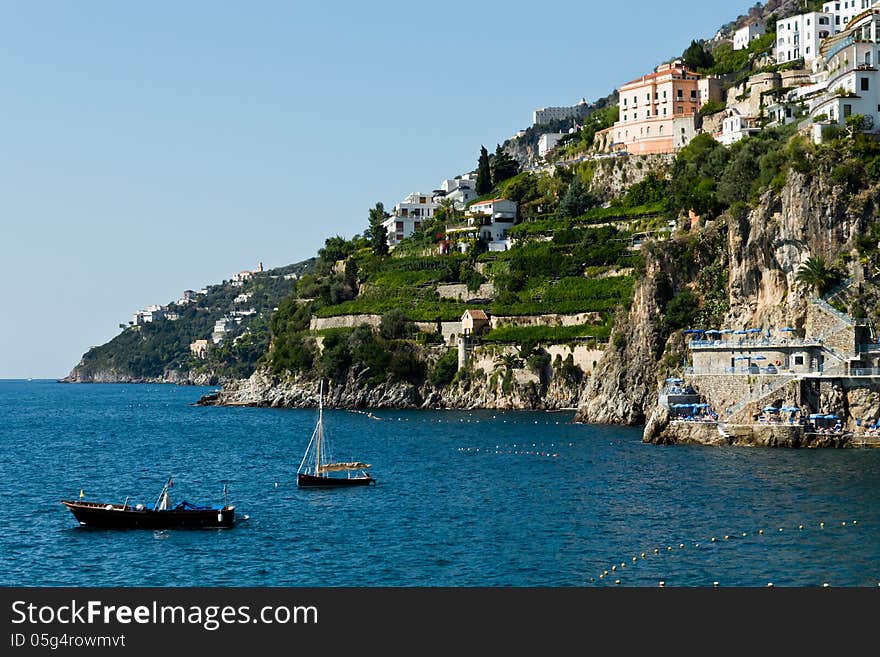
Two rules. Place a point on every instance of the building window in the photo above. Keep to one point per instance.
(798, 360)
(864, 83)
(679, 110)
(398, 226)
(847, 110)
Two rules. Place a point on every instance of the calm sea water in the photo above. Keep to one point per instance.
(463, 499)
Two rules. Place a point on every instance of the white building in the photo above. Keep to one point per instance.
(409, 215)
(799, 37)
(244, 297)
(549, 114)
(844, 11)
(149, 314)
(746, 34)
(493, 220)
(221, 327)
(547, 142)
(460, 190)
(496, 209)
(735, 126)
(848, 81)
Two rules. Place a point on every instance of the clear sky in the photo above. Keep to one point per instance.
(147, 148)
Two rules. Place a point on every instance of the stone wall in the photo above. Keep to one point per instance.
(577, 319)
(343, 321)
(460, 291)
(835, 333)
(585, 357)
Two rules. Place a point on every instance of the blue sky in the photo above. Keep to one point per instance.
(147, 148)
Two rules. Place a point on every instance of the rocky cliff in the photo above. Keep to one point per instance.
(81, 374)
(517, 389)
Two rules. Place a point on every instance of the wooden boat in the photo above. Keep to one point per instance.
(162, 515)
(318, 470)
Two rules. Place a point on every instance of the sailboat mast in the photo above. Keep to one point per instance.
(320, 431)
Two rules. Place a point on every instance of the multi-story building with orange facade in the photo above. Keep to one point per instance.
(650, 105)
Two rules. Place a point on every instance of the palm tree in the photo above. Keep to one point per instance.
(507, 362)
(816, 274)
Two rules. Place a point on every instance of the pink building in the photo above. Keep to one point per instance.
(650, 104)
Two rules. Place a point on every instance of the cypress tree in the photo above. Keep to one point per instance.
(484, 174)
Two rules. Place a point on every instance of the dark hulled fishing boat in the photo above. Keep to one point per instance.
(162, 515)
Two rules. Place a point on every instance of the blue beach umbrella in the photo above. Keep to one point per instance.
(759, 357)
(754, 330)
(741, 332)
(771, 409)
(787, 329)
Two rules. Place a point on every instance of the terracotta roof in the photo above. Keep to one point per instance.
(477, 314)
(676, 70)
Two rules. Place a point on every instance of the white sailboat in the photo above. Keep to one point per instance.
(318, 469)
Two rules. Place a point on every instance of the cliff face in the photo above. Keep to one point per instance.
(623, 386)
(81, 374)
(763, 251)
(522, 391)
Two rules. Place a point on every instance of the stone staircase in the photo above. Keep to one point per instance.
(760, 396)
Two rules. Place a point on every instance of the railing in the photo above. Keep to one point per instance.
(869, 371)
(827, 307)
(837, 289)
(757, 342)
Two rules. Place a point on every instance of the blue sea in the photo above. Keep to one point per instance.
(463, 499)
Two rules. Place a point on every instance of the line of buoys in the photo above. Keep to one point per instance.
(714, 540)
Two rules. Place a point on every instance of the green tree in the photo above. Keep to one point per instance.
(576, 201)
(503, 166)
(377, 233)
(444, 369)
(816, 274)
(484, 173)
(394, 324)
(696, 57)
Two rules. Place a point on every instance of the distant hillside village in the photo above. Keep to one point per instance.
(224, 327)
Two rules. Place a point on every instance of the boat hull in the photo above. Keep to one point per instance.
(91, 514)
(312, 481)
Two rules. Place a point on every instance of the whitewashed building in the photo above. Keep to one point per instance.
(848, 82)
(744, 36)
(493, 220)
(149, 314)
(799, 37)
(735, 126)
(460, 190)
(844, 11)
(547, 142)
(409, 215)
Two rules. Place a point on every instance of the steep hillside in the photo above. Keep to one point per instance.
(159, 350)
